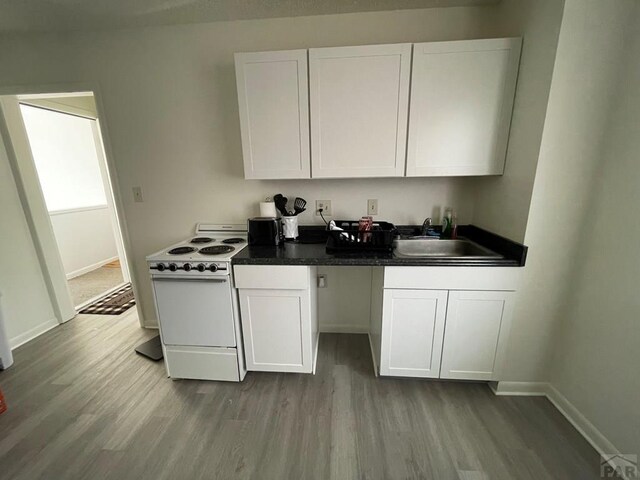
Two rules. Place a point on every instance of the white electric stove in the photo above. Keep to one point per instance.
(197, 305)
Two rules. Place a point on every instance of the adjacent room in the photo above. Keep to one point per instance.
(311, 240)
(64, 141)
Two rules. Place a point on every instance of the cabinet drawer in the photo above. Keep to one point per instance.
(202, 363)
(280, 277)
(453, 278)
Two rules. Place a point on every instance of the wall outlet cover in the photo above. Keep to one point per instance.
(137, 194)
(325, 205)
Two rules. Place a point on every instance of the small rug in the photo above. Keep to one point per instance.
(113, 303)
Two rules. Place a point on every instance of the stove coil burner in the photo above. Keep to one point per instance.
(216, 250)
(181, 250)
(233, 240)
(202, 240)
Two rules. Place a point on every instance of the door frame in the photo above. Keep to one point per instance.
(33, 203)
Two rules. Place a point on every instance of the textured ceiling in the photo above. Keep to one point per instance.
(65, 15)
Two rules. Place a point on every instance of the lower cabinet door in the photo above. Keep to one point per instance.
(412, 332)
(475, 335)
(276, 326)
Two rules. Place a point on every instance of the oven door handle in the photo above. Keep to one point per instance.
(191, 279)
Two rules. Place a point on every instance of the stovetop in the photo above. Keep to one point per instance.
(211, 243)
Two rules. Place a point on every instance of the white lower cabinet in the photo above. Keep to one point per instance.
(448, 334)
(278, 310)
(412, 332)
(475, 334)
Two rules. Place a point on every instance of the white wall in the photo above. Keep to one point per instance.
(85, 239)
(66, 159)
(64, 152)
(502, 203)
(84, 105)
(588, 60)
(345, 302)
(25, 299)
(170, 109)
(595, 365)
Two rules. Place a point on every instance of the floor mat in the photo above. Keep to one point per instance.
(114, 303)
(94, 284)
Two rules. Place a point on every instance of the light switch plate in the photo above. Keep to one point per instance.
(372, 207)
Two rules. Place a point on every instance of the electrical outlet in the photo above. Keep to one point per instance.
(137, 194)
(322, 281)
(325, 205)
(372, 207)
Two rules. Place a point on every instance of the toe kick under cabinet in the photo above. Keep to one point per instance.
(278, 309)
(445, 322)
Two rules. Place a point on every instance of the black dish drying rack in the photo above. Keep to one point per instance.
(350, 240)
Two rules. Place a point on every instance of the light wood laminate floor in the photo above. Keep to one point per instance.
(83, 405)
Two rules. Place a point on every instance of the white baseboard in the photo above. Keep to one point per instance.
(90, 268)
(342, 328)
(373, 356)
(36, 331)
(524, 389)
(587, 429)
(315, 353)
(581, 423)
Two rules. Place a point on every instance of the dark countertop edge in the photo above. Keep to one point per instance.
(375, 262)
(313, 237)
(510, 249)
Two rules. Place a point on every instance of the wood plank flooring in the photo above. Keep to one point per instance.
(83, 405)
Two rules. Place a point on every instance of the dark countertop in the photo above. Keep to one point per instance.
(310, 251)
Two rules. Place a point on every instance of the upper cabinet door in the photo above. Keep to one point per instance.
(461, 102)
(359, 103)
(274, 114)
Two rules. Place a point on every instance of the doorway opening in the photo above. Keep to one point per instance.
(63, 137)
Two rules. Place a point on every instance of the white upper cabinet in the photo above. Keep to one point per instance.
(273, 100)
(359, 101)
(461, 101)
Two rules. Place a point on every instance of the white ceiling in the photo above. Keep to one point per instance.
(65, 15)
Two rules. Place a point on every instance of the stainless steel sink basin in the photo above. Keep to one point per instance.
(421, 247)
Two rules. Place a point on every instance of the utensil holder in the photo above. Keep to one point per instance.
(290, 227)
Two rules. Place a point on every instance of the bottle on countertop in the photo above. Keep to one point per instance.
(447, 223)
(454, 225)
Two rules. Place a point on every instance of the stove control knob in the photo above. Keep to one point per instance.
(160, 267)
(201, 267)
(213, 268)
(173, 267)
(186, 267)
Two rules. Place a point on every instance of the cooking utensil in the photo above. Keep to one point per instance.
(299, 205)
(281, 203)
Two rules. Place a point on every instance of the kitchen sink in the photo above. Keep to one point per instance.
(428, 247)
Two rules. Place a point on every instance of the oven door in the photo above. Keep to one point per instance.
(195, 311)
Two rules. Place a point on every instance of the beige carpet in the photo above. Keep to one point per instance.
(90, 285)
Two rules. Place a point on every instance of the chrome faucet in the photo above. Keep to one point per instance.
(426, 225)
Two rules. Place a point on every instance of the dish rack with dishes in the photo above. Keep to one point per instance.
(356, 236)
